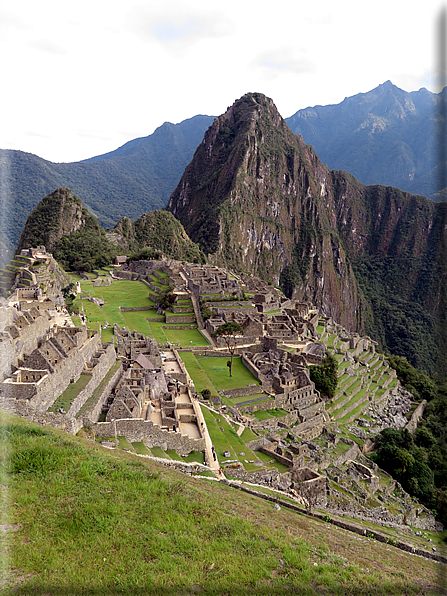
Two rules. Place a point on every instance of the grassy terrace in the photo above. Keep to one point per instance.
(267, 414)
(96, 393)
(358, 396)
(228, 440)
(132, 294)
(70, 394)
(212, 373)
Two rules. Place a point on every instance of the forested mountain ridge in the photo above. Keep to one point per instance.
(136, 178)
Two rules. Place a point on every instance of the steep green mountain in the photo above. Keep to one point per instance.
(386, 136)
(257, 198)
(69, 231)
(137, 177)
(156, 231)
(78, 242)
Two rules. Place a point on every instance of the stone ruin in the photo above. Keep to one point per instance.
(286, 376)
(131, 344)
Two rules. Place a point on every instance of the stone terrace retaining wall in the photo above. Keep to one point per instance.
(137, 429)
(231, 393)
(93, 414)
(416, 416)
(24, 410)
(105, 361)
(125, 309)
(180, 319)
(269, 404)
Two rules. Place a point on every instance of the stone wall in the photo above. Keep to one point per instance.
(232, 393)
(416, 416)
(92, 414)
(257, 443)
(137, 429)
(125, 309)
(180, 319)
(103, 365)
(269, 404)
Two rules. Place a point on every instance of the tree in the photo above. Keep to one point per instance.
(206, 393)
(229, 331)
(325, 376)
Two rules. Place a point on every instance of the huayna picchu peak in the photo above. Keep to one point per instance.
(257, 198)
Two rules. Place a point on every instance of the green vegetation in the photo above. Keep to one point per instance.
(325, 376)
(69, 395)
(419, 461)
(266, 414)
(89, 520)
(229, 331)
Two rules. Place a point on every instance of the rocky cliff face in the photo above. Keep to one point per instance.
(258, 199)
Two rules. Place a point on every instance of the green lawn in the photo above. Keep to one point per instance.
(158, 452)
(217, 371)
(141, 448)
(199, 377)
(227, 440)
(86, 520)
(266, 414)
(195, 456)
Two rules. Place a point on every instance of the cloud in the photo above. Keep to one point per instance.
(171, 27)
(284, 60)
(48, 47)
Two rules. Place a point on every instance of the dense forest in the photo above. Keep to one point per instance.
(419, 461)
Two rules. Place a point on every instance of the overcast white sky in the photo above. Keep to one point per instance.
(82, 78)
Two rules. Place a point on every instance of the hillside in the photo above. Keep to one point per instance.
(257, 198)
(86, 520)
(159, 231)
(137, 177)
(386, 136)
(61, 224)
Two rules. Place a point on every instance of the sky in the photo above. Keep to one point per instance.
(79, 79)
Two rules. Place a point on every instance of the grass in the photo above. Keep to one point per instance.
(195, 456)
(217, 370)
(227, 440)
(267, 414)
(70, 394)
(140, 448)
(158, 452)
(199, 377)
(93, 521)
(248, 435)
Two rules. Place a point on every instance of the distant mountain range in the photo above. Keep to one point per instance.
(138, 177)
(386, 136)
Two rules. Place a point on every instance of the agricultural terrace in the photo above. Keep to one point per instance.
(131, 294)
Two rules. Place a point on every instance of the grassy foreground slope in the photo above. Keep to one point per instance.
(77, 519)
